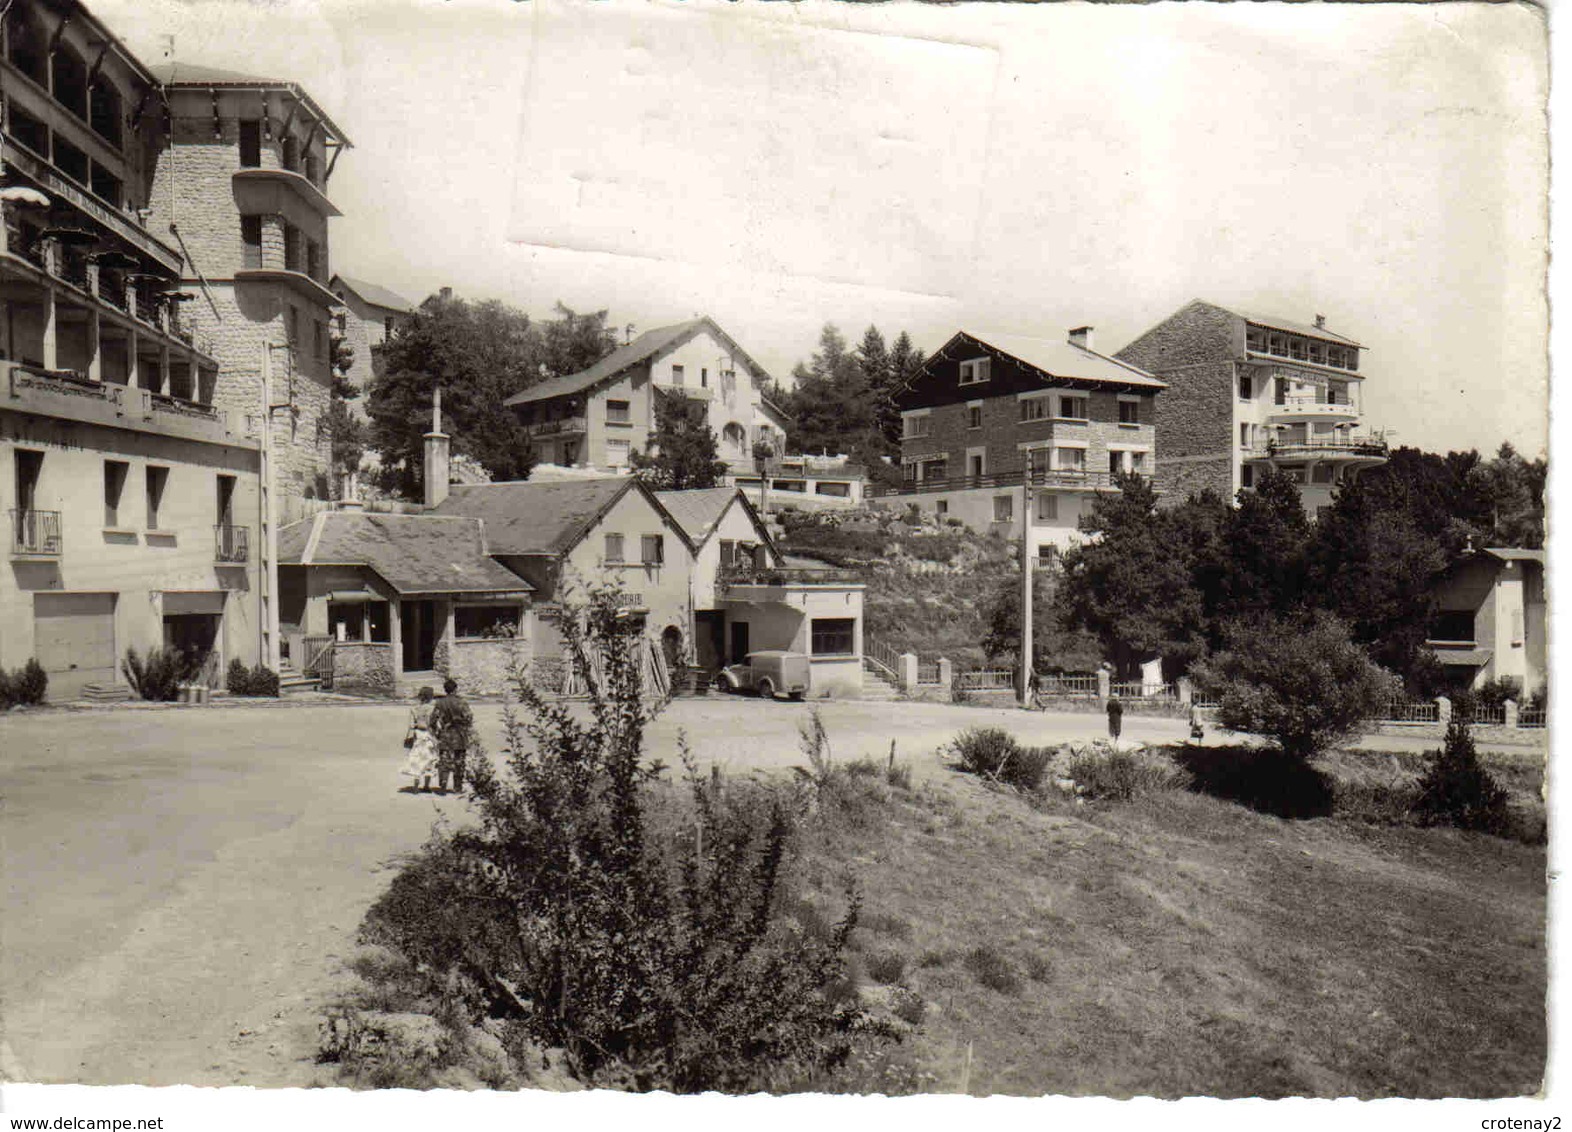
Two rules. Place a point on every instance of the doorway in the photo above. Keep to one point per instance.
(419, 630)
(709, 638)
(194, 637)
(739, 641)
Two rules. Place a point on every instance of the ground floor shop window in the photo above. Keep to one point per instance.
(359, 621)
(834, 636)
(486, 621)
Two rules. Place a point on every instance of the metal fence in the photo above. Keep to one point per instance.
(1058, 685)
(1482, 714)
(1531, 717)
(928, 672)
(1412, 711)
(1135, 690)
(985, 680)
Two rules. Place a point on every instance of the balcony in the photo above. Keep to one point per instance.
(567, 426)
(1354, 449)
(35, 534)
(232, 545)
(68, 395)
(1307, 409)
(1051, 478)
(259, 191)
(779, 583)
(311, 289)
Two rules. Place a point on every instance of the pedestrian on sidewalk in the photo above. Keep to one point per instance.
(421, 762)
(454, 726)
(1115, 718)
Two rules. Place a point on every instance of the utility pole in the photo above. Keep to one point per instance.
(1026, 586)
(270, 643)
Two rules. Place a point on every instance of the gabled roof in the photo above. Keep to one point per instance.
(1272, 322)
(546, 518)
(178, 76)
(413, 553)
(1056, 360)
(699, 512)
(645, 346)
(374, 295)
(1516, 554)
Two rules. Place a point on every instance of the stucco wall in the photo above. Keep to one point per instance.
(664, 588)
(975, 508)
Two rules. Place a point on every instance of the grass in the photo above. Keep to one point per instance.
(1183, 944)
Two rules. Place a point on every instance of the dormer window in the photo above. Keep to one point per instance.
(975, 372)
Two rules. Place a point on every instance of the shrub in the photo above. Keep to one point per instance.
(1456, 790)
(908, 1006)
(155, 676)
(887, 967)
(238, 678)
(993, 753)
(993, 969)
(7, 691)
(1300, 681)
(646, 933)
(1124, 775)
(27, 685)
(262, 681)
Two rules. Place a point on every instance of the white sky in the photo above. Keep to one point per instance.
(1009, 169)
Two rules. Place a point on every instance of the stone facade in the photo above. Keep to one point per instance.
(481, 666)
(364, 668)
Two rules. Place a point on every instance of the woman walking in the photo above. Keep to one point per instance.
(421, 762)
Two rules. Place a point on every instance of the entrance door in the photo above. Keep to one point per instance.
(74, 640)
(195, 637)
(710, 638)
(419, 629)
(739, 641)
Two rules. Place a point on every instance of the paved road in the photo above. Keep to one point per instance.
(180, 884)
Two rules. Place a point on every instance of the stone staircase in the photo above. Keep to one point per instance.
(106, 693)
(876, 685)
(291, 679)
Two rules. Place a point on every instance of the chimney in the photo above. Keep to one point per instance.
(1320, 322)
(436, 455)
(1082, 336)
(446, 293)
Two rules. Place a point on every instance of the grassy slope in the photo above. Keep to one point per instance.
(1183, 945)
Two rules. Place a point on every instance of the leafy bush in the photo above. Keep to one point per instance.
(993, 969)
(993, 753)
(26, 685)
(1102, 772)
(646, 933)
(1300, 681)
(156, 676)
(887, 967)
(908, 1006)
(238, 678)
(1456, 790)
(262, 681)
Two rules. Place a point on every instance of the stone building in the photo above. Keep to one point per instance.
(1248, 392)
(240, 185)
(131, 482)
(368, 317)
(981, 419)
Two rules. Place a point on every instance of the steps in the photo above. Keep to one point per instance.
(876, 686)
(291, 679)
(106, 693)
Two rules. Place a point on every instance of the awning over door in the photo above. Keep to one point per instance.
(177, 602)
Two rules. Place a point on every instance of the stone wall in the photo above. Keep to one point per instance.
(1002, 432)
(364, 668)
(480, 666)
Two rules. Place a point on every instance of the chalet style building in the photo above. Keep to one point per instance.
(983, 421)
(1249, 392)
(1490, 621)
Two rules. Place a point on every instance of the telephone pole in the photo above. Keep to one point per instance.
(1026, 587)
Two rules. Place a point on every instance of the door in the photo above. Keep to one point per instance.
(195, 636)
(74, 640)
(419, 630)
(709, 638)
(739, 641)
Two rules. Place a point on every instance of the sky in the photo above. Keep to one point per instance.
(1006, 169)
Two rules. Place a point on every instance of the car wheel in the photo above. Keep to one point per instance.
(766, 688)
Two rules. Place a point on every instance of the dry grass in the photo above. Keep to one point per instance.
(1185, 945)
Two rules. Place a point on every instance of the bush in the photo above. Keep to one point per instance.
(908, 1006)
(887, 967)
(238, 678)
(262, 681)
(1456, 790)
(1300, 681)
(26, 685)
(993, 753)
(1124, 775)
(156, 676)
(993, 969)
(646, 933)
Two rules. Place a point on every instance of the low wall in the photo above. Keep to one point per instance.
(480, 665)
(363, 668)
(835, 678)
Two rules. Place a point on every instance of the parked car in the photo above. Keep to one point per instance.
(769, 673)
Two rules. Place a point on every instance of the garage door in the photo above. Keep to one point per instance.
(74, 639)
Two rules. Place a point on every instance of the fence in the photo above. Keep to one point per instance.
(928, 672)
(318, 659)
(1412, 711)
(1482, 714)
(985, 680)
(1135, 690)
(1084, 686)
(1531, 717)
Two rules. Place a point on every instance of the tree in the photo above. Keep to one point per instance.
(1511, 495)
(343, 431)
(1457, 790)
(682, 452)
(1054, 647)
(1263, 550)
(1298, 680)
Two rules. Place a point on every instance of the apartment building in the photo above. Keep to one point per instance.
(1247, 392)
(132, 489)
(988, 425)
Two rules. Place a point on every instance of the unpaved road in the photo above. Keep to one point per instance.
(181, 884)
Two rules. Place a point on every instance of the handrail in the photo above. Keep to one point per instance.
(1055, 477)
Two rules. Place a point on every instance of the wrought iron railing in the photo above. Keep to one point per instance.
(1071, 685)
(1059, 477)
(1531, 717)
(180, 406)
(1412, 711)
(1354, 446)
(787, 576)
(231, 544)
(985, 680)
(35, 532)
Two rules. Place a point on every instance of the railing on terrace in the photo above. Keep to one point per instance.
(566, 424)
(985, 680)
(787, 576)
(35, 532)
(1071, 685)
(1054, 478)
(231, 544)
(1354, 446)
(1297, 404)
(182, 407)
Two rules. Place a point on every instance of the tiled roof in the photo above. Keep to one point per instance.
(414, 553)
(697, 512)
(534, 518)
(646, 345)
(1272, 322)
(376, 296)
(198, 75)
(1056, 357)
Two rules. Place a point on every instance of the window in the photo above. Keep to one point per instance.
(347, 620)
(676, 375)
(1318, 353)
(942, 507)
(292, 248)
(225, 512)
(834, 636)
(1073, 407)
(319, 335)
(1138, 462)
(71, 160)
(1071, 459)
(614, 548)
(832, 487)
(1255, 340)
(1115, 463)
(1244, 434)
(728, 552)
(1047, 554)
(381, 624)
(1129, 411)
(314, 260)
(654, 547)
(156, 479)
(975, 372)
(1295, 472)
(1278, 346)
(704, 378)
(1034, 409)
(1003, 508)
(250, 144)
(27, 129)
(1246, 387)
(115, 472)
(291, 156)
(251, 241)
(1297, 349)
(974, 463)
(1280, 391)
(293, 324)
(974, 416)
(1247, 476)
(1047, 507)
(1453, 625)
(107, 186)
(918, 427)
(493, 622)
(618, 453)
(617, 412)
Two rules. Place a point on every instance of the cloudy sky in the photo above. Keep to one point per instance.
(1008, 169)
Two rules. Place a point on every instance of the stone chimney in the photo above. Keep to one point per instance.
(1082, 336)
(436, 455)
(446, 293)
(1320, 322)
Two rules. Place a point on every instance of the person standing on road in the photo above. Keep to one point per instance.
(1115, 718)
(453, 724)
(421, 762)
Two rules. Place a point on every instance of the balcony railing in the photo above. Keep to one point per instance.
(231, 544)
(786, 576)
(566, 424)
(36, 533)
(1310, 404)
(1371, 447)
(1059, 477)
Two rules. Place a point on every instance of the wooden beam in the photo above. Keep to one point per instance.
(54, 40)
(290, 120)
(92, 72)
(337, 150)
(136, 115)
(311, 136)
(218, 122)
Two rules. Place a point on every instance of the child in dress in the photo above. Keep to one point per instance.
(421, 762)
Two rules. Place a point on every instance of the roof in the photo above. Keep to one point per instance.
(413, 553)
(1516, 554)
(374, 295)
(1272, 322)
(1474, 658)
(645, 346)
(1057, 358)
(199, 76)
(537, 518)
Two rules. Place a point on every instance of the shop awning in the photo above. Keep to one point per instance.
(353, 595)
